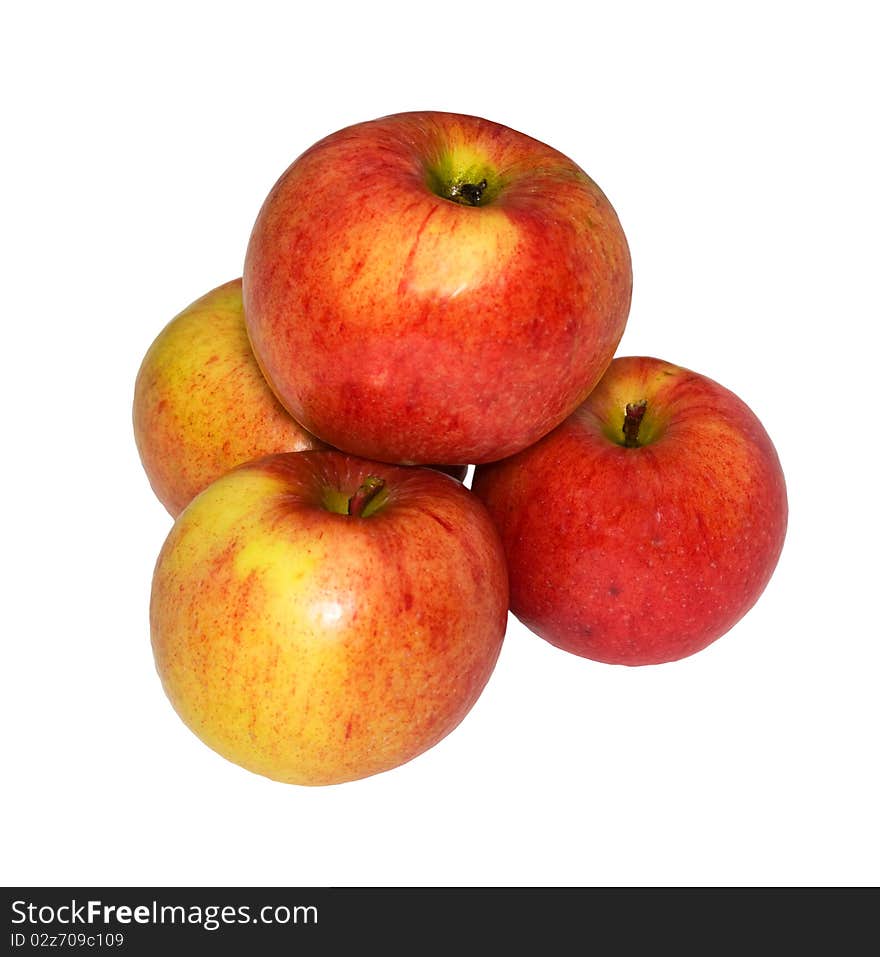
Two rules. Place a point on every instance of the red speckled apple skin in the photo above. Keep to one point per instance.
(201, 405)
(643, 555)
(400, 326)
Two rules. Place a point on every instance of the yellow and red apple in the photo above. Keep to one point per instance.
(318, 618)
(434, 287)
(647, 524)
(201, 405)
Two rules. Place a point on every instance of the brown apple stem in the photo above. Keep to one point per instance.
(468, 194)
(369, 489)
(635, 412)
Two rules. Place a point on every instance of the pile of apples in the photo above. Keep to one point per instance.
(429, 297)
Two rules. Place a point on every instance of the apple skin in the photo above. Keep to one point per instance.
(314, 647)
(643, 555)
(401, 325)
(201, 405)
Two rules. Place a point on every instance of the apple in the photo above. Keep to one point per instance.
(647, 524)
(434, 287)
(201, 405)
(317, 618)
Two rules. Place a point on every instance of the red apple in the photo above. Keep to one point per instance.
(647, 524)
(434, 287)
(318, 618)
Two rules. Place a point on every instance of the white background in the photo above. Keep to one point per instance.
(737, 144)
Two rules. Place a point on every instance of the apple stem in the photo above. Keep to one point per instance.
(635, 412)
(369, 489)
(468, 194)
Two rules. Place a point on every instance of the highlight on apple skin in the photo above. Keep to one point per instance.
(317, 618)
(434, 287)
(201, 405)
(647, 524)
